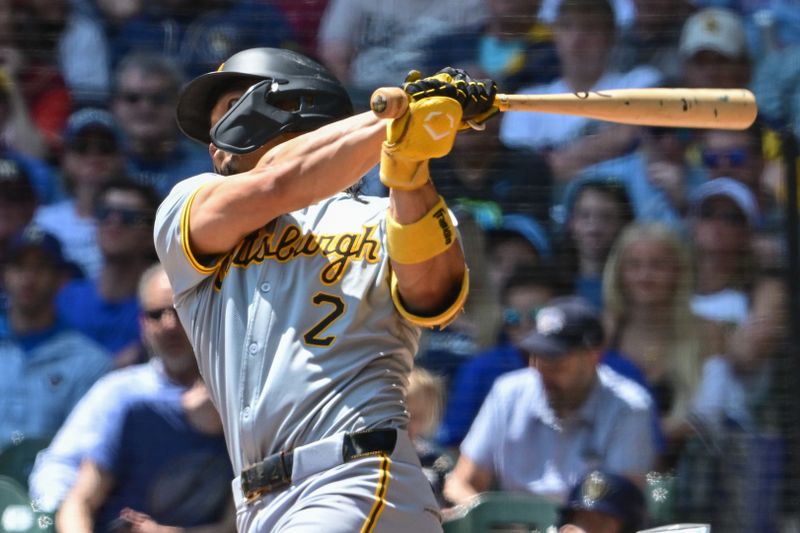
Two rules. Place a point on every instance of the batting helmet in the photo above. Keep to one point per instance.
(277, 77)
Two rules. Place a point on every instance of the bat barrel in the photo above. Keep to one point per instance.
(687, 108)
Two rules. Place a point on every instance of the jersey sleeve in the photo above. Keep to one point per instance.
(171, 234)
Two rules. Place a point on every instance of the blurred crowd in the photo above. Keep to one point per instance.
(627, 322)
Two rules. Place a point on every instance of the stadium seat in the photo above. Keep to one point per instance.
(16, 461)
(16, 512)
(659, 493)
(505, 512)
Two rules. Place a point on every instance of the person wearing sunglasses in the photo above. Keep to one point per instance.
(143, 101)
(93, 155)
(105, 308)
(167, 385)
(735, 154)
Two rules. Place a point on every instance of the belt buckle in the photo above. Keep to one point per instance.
(271, 474)
(252, 496)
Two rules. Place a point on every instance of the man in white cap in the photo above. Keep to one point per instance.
(713, 46)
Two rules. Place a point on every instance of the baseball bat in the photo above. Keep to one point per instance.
(732, 109)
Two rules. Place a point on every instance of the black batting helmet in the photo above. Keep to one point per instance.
(276, 76)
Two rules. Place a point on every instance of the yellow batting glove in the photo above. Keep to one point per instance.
(427, 130)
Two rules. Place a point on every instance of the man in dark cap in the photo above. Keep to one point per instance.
(603, 502)
(544, 426)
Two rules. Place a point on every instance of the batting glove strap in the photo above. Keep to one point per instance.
(476, 97)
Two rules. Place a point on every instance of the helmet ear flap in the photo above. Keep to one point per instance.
(251, 122)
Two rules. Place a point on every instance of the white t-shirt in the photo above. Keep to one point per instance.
(727, 305)
(78, 236)
(537, 131)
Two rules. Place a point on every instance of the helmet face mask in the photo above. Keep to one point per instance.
(277, 77)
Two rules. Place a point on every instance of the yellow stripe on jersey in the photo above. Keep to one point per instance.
(380, 496)
(442, 319)
(187, 250)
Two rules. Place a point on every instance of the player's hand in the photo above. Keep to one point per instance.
(427, 130)
(475, 96)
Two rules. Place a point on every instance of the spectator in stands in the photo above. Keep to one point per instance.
(47, 366)
(198, 35)
(146, 89)
(20, 140)
(713, 46)
(657, 176)
(736, 154)
(29, 53)
(514, 242)
(170, 371)
(372, 44)
(604, 502)
(597, 210)
(17, 204)
(543, 427)
(652, 39)
(584, 35)
(18, 132)
(304, 18)
(510, 46)
(653, 335)
(105, 308)
(723, 213)
(525, 292)
(480, 168)
(158, 465)
(93, 156)
(424, 399)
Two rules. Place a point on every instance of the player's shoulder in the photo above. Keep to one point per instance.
(622, 389)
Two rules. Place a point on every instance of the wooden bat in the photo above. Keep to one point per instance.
(732, 109)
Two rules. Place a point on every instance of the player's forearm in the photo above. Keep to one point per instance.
(430, 286)
(291, 176)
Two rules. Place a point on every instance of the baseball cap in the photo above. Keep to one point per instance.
(33, 237)
(92, 117)
(527, 228)
(610, 494)
(15, 184)
(729, 188)
(565, 324)
(715, 29)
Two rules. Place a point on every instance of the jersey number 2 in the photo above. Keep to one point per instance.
(312, 336)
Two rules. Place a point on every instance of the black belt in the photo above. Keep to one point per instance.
(275, 472)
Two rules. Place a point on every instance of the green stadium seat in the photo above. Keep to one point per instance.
(659, 493)
(16, 461)
(16, 513)
(507, 512)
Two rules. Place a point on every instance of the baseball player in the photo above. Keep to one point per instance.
(303, 302)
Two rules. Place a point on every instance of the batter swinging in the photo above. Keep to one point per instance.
(304, 300)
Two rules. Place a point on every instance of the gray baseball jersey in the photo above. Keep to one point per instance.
(295, 330)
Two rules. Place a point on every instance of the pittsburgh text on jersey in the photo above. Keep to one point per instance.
(339, 249)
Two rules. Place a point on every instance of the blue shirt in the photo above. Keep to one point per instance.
(114, 325)
(43, 376)
(469, 388)
(98, 411)
(518, 438)
(163, 466)
(188, 159)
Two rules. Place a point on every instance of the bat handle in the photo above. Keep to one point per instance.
(389, 102)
